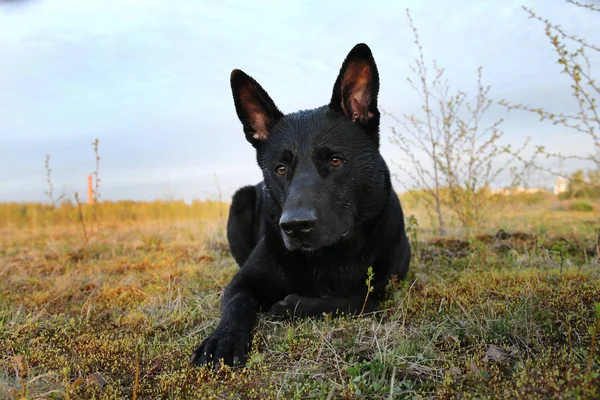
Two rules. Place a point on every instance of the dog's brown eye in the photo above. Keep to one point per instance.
(281, 170)
(335, 162)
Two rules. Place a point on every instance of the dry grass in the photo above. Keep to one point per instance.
(498, 315)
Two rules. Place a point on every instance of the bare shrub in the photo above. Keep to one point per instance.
(449, 151)
(574, 55)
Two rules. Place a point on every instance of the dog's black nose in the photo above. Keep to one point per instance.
(298, 222)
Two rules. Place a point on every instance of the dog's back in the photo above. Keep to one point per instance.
(245, 222)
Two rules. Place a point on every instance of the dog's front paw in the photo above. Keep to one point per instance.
(291, 306)
(222, 347)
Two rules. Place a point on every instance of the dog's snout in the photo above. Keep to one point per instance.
(298, 222)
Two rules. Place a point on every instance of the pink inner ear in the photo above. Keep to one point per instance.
(360, 111)
(260, 126)
(356, 92)
(257, 117)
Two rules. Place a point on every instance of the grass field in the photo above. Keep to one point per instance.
(114, 309)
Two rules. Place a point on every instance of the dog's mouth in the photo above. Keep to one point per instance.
(309, 245)
(303, 245)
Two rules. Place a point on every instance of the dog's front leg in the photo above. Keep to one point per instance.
(259, 283)
(230, 341)
(301, 306)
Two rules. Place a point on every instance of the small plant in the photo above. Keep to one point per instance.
(136, 382)
(50, 191)
(368, 377)
(95, 219)
(368, 281)
(581, 206)
(594, 333)
(412, 231)
(479, 256)
(152, 241)
(559, 248)
(91, 229)
(66, 371)
(21, 370)
(81, 218)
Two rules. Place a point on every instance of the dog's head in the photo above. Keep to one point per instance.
(322, 168)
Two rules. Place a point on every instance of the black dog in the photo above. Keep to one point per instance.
(325, 213)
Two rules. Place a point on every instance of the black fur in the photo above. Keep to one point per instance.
(325, 212)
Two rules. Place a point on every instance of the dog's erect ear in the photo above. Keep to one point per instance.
(254, 107)
(356, 88)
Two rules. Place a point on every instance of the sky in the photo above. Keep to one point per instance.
(150, 80)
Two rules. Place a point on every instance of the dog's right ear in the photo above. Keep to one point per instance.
(254, 107)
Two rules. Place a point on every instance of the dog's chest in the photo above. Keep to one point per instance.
(340, 277)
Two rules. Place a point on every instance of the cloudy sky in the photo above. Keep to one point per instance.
(150, 80)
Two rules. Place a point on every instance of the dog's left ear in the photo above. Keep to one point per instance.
(356, 88)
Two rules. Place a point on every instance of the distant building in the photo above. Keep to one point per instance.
(560, 185)
(516, 190)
